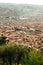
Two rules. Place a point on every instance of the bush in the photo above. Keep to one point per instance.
(17, 54)
(34, 57)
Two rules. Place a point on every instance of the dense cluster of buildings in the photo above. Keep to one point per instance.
(22, 35)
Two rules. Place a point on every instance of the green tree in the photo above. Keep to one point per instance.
(2, 54)
(41, 63)
(2, 40)
(34, 57)
(25, 58)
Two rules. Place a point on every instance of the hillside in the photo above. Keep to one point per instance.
(21, 11)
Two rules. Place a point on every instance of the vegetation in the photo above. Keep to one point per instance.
(11, 54)
(2, 40)
(16, 54)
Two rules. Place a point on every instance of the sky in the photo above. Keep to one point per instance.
(37, 2)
